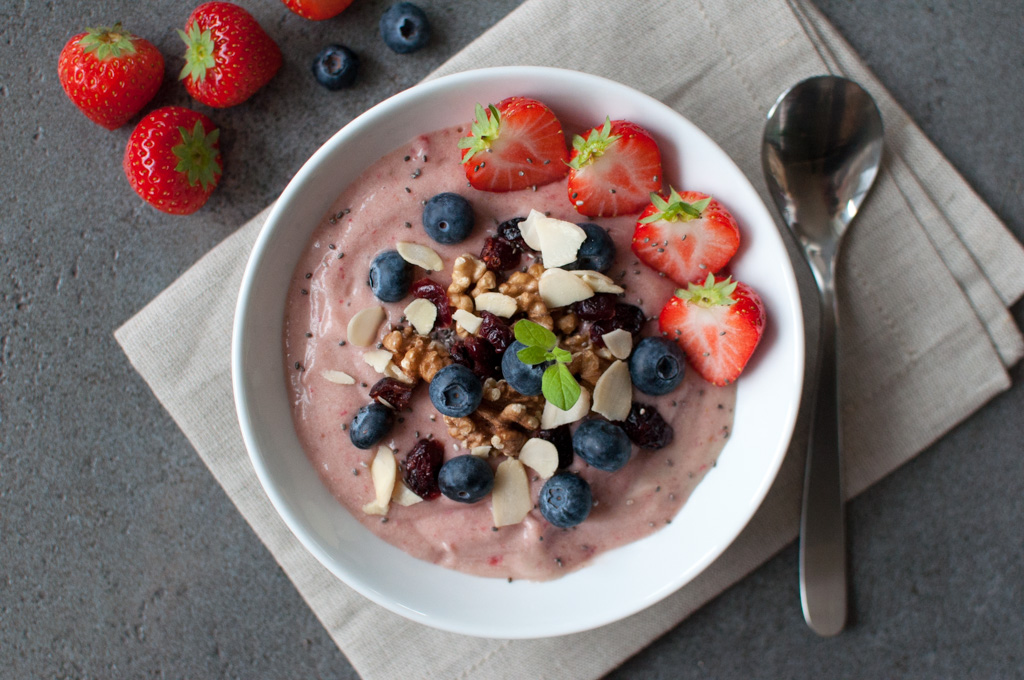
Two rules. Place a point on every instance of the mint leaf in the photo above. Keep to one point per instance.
(532, 355)
(561, 355)
(559, 387)
(534, 335)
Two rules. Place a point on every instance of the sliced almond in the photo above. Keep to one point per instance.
(403, 495)
(421, 314)
(482, 451)
(337, 377)
(469, 321)
(496, 303)
(552, 416)
(613, 393)
(378, 359)
(619, 342)
(510, 499)
(541, 455)
(557, 240)
(392, 371)
(362, 328)
(420, 255)
(383, 471)
(598, 282)
(559, 288)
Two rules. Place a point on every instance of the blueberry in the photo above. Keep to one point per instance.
(565, 500)
(448, 218)
(657, 366)
(335, 67)
(601, 444)
(466, 478)
(404, 27)
(390, 276)
(456, 391)
(523, 378)
(371, 424)
(597, 252)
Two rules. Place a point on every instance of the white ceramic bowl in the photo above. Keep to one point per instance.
(620, 582)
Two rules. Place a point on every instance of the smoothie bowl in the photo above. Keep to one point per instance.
(352, 384)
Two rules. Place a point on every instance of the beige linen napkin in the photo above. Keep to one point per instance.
(914, 365)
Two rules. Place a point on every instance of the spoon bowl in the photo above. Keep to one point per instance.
(821, 152)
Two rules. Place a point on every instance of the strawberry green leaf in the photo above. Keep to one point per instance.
(675, 209)
(198, 53)
(197, 157)
(711, 293)
(483, 132)
(561, 355)
(559, 387)
(107, 42)
(532, 356)
(534, 335)
(593, 146)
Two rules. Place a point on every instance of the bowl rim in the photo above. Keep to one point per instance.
(275, 220)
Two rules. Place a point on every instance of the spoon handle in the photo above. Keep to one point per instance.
(823, 584)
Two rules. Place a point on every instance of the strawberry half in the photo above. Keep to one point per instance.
(173, 159)
(317, 10)
(110, 74)
(686, 236)
(228, 55)
(717, 324)
(514, 145)
(613, 169)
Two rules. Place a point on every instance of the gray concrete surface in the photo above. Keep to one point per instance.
(120, 556)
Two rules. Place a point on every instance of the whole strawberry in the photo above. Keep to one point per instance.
(613, 169)
(516, 144)
(718, 325)
(110, 74)
(685, 236)
(317, 10)
(173, 159)
(228, 56)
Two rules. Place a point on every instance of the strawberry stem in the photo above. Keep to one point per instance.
(711, 293)
(198, 52)
(595, 144)
(107, 42)
(197, 157)
(675, 209)
(483, 133)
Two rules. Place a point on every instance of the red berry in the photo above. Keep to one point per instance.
(500, 255)
(173, 159)
(613, 169)
(629, 318)
(110, 74)
(646, 428)
(431, 290)
(228, 55)
(495, 331)
(599, 307)
(396, 394)
(317, 10)
(420, 468)
(514, 144)
(478, 355)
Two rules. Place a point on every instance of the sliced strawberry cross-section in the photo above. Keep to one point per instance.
(685, 236)
(613, 169)
(515, 144)
(718, 324)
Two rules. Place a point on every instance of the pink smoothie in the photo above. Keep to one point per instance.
(373, 214)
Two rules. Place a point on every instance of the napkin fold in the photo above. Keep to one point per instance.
(925, 280)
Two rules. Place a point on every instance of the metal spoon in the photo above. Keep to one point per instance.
(821, 151)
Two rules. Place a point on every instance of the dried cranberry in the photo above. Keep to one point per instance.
(646, 428)
(509, 230)
(477, 354)
(431, 290)
(420, 468)
(496, 332)
(627, 317)
(396, 394)
(561, 437)
(599, 307)
(499, 254)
